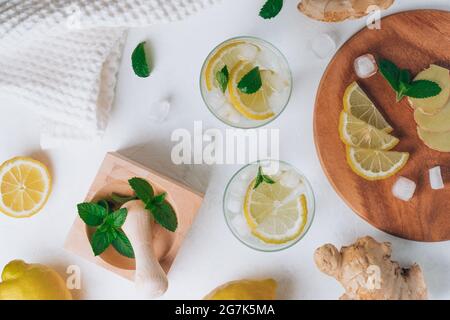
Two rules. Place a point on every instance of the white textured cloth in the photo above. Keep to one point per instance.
(60, 57)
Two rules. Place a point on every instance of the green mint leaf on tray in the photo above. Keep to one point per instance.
(262, 178)
(121, 200)
(222, 78)
(142, 188)
(139, 61)
(92, 214)
(251, 82)
(102, 239)
(400, 81)
(123, 245)
(271, 9)
(390, 72)
(422, 89)
(164, 215)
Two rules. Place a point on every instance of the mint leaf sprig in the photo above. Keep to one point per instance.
(161, 210)
(271, 9)
(400, 81)
(262, 178)
(222, 78)
(251, 82)
(108, 226)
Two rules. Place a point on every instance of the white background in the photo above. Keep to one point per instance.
(210, 255)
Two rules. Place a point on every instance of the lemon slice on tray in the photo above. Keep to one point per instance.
(375, 164)
(254, 106)
(25, 185)
(228, 55)
(274, 214)
(357, 133)
(359, 105)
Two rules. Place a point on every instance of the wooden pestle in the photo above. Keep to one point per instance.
(151, 280)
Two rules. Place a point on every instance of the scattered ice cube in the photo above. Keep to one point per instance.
(266, 60)
(436, 180)
(365, 66)
(290, 179)
(234, 204)
(216, 98)
(323, 46)
(404, 189)
(159, 110)
(247, 51)
(240, 225)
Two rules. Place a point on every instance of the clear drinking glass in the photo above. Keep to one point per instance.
(237, 194)
(274, 70)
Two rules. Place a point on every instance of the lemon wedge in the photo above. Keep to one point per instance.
(252, 106)
(359, 105)
(375, 164)
(228, 55)
(273, 215)
(357, 133)
(25, 185)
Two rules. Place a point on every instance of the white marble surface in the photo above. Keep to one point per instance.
(210, 255)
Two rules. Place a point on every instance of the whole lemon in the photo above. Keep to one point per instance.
(245, 290)
(22, 281)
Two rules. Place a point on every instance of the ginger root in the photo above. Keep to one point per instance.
(366, 272)
(340, 10)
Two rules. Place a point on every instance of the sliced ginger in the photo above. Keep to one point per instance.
(339, 10)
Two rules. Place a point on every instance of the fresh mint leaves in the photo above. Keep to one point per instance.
(108, 227)
(251, 82)
(400, 81)
(161, 211)
(108, 222)
(262, 178)
(140, 62)
(222, 78)
(271, 9)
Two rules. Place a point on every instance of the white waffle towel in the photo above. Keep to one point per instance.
(60, 57)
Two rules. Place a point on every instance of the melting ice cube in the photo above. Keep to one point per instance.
(240, 225)
(234, 204)
(159, 110)
(404, 189)
(267, 61)
(323, 46)
(216, 98)
(365, 66)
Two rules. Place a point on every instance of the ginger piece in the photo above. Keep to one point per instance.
(366, 272)
(340, 10)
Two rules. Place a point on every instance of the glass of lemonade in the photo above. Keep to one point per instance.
(271, 215)
(223, 88)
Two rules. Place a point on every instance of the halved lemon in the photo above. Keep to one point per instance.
(375, 164)
(273, 215)
(227, 55)
(25, 185)
(252, 106)
(357, 133)
(359, 105)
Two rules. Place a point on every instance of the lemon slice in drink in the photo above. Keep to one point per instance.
(25, 185)
(229, 55)
(272, 215)
(375, 164)
(252, 106)
(357, 133)
(359, 105)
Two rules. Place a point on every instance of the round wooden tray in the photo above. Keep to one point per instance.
(412, 40)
